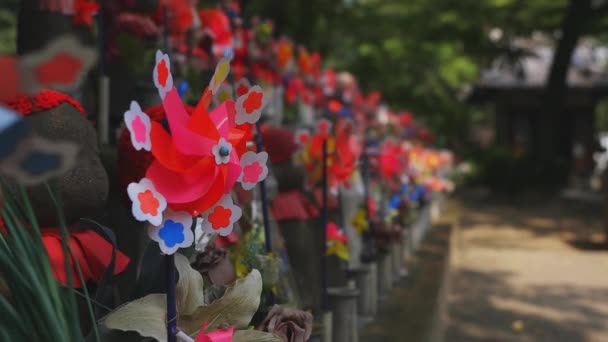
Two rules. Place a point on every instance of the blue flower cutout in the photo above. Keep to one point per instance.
(38, 163)
(172, 233)
(11, 137)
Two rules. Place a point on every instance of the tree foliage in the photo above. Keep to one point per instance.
(420, 53)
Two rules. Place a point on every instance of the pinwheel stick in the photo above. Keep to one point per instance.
(324, 298)
(264, 195)
(171, 303)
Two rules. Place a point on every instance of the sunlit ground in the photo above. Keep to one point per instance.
(528, 272)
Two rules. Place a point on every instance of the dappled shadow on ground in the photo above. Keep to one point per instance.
(484, 307)
(531, 271)
(407, 313)
(577, 225)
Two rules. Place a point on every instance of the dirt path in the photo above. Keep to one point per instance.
(528, 273)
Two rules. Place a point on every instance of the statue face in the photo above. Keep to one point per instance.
(84, 189)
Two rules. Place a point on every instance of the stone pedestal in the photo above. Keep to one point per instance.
(385, 274)
(322, 328)
(301, 238)
(343, 304)
(397, 261)
(367, 298)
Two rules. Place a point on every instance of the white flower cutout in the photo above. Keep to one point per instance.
(222, 69)
(163, 80)
(254, 169)
(220, 219)
(138, 124)
(221, 151)
(324, 126)
(174, 233)
(148, 204)
(302, 136)
(249, 106)
(224, 93)
(242, 87)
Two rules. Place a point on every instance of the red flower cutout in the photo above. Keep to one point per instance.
(149, 203)
(163, 73)
(62, 68)
(253, 102)
(220, 217)
(84, 11)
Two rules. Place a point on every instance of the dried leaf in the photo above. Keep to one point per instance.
(236, 307)
(254, 336)
(146, 316)
(190, 287)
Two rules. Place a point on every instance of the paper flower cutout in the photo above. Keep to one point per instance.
(221, 151)
(254, 169)
(302, 136)
(138, 124)
(220, 335)
(37, 159)
(174, 233)
(242, 87)
(221, 217)
(163, 79)
(324, 126)
(249, 106)
(221, 72)
(28, 158)
(61, 65)
(148, 204)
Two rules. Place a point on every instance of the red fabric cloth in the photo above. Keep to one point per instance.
(91, 250)
(43, 100)
(293, 205)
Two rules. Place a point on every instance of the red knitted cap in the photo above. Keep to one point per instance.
(279, 143)
(41, 101)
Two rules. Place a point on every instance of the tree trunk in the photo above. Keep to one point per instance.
(553, 113)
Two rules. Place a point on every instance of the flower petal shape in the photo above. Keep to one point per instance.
(139, 126)
(254, 169)
(174, 233)
(148, 204)
(221, 217)
(249, 106)
(163, 79)
(222, 69)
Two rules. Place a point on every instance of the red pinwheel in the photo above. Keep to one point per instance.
(197, 161)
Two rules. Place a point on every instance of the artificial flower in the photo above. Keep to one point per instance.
(163, 79)
(249, 106)
(221, 151)
(148, 204)
(220, 219)
(174, 233)
(254, 169)
(139, 126)
(290, 325)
